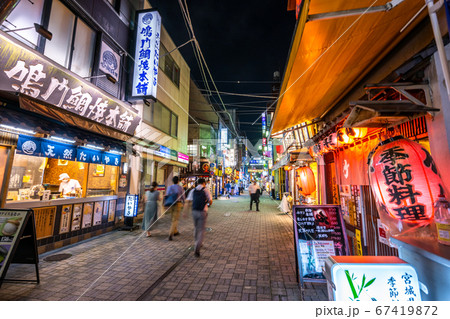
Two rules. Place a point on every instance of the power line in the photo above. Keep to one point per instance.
(185, 12)
(247, 95)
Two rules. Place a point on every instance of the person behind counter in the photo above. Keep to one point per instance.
(69, 187)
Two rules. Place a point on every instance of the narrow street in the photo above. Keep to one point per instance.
(246, 256)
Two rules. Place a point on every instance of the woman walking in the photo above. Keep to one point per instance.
(151, 207)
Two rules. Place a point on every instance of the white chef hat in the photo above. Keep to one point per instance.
(63, 175)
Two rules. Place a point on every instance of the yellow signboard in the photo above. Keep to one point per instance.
(45, 221)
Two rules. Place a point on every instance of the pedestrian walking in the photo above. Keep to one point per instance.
(254, 191)
(173, 201)
(201, 199)
(152, 197)
(228, 189)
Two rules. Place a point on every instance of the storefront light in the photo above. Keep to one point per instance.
(60, 139)
(116, 152)
(17, 129)
(94, 147)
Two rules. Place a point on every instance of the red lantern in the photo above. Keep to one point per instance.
(348, 135)
(305, 181)
(405, 180)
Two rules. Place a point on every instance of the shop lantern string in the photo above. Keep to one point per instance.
(348, 135)
(305, 181)
(405, 181)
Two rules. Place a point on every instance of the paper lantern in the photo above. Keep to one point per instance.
(405, 180)
(305, 181)
(348, 135)
(287, 168)
(330, 142)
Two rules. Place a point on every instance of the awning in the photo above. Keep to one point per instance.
(328, 57)
(34, 122)
(384, 113)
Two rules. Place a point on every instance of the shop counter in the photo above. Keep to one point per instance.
(432, 263)
(64, 221)
(27, 204)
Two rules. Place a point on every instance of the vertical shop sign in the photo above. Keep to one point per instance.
(131, 205)
(76, 219)
(66, 216)
(98, 212)
(105, 208)
(45, 221)
(146, 56)
(319, 232)
(87, 215)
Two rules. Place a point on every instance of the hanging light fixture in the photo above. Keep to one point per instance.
(306, 181)
(405, 180)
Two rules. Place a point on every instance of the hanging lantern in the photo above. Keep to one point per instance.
(287, 168)
(405, 180)
(330, 142)
(348, 135)
(305, 181)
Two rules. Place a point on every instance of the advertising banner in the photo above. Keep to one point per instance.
(87, 215)
(10, 224)
(98, 212)
(76, 219)
(66, 216)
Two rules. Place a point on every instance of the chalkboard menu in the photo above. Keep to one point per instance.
(319, 232)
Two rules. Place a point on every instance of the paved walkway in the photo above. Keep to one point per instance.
(246, 256)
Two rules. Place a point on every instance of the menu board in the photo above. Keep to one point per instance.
(45, 221)
(66, 215)
(87, 215)
(10, 224)
(112, 210)
(76, 218)
(319, 232)
(105, 208)
(98, 211)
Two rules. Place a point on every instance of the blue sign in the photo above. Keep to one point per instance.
(110, 159)
(29, 145)
(89, 156)
(53, 149)
(131, 205)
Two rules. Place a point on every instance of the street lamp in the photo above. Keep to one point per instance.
(39, 29)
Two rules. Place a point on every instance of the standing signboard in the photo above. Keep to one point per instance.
(319, 233)
(17, 241)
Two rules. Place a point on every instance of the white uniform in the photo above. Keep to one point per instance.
(69, 187)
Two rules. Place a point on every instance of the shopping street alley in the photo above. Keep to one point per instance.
(246, 256)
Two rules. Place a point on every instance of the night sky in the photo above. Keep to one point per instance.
(241, 40)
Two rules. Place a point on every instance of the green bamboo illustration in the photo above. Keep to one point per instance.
(357, 291)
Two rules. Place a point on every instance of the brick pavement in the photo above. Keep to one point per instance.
(246, 256)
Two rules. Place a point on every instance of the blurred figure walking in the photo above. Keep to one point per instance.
(254, 191)
(201, 199)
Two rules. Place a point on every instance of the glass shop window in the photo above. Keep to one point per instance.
(162, 118)
(32, 175)
(73, 42)
(169, 66)
(25, 15)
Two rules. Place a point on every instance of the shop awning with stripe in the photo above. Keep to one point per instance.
(329, 56)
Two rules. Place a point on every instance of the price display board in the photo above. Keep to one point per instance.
(319, 233)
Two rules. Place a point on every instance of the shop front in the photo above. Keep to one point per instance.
(62, 148)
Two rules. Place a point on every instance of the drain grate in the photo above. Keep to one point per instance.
(57, 257)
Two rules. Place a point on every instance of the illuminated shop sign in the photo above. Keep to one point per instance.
(109, 61)
(183, 158)
(28, 73)
(131, 205)
(146, 56)
(34, 146)
(224, 136)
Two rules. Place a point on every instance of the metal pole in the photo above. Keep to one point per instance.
(432, 8)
